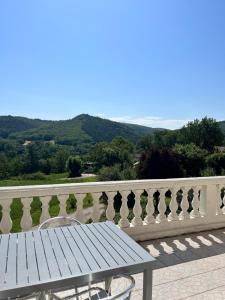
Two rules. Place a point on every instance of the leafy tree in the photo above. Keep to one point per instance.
(60, 160)
(4, 167)
(191, 158)
(74, 166)
(205, 134)
(145, 142)
(31, 159)
(166, 138)
(109, 154)
(216, 161)
(159, 163)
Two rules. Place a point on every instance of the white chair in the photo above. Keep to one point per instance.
(97, 292)
(58, 222)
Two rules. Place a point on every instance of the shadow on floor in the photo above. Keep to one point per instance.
(184, 248)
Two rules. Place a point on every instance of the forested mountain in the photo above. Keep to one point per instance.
(81, 129)
(10, 124)
(222, 126)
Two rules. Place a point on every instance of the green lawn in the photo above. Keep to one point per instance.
(49, 179)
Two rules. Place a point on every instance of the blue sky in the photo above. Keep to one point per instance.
(152, 62)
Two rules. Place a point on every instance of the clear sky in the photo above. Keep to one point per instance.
(152, 62)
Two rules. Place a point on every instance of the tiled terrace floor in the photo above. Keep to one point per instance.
(187, 267)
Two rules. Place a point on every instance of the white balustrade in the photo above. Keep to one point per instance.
(45, 208)
(62, 204)
(26, 221)
(6, 222)
(124, 211)
(184, 204)
(110, 212)
(204, 194)
(150, 209)
(173, 205)
(96, 208)
(137, 220)
(161, 217)
(79, 214)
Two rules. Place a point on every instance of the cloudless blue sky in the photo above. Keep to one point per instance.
(154, 62)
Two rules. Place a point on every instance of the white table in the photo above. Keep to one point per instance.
(66, 257)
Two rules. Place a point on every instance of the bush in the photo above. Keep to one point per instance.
(34, 176)
(191, 158)
(110, 173)
(216, 161)
(158, 164)
(208, 172)
(73, 165)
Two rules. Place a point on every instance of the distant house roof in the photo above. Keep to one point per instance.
(26, 143)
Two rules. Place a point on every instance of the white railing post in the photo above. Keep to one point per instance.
(110, 211)
(26, 221)
(184, 204)
(161, 217)
(211, 201)
(62, 204)
(79, 214)
(150, 207)
(45, 208)
(195, 203)
(137, 220)
(96, 206)
(124, 211)
(6, 222)
(173, 205)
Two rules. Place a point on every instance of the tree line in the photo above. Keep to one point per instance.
(193, 150)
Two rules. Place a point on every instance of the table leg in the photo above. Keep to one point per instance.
(108, 282)
(147, 284)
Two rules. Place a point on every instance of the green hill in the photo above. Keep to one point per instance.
(10, 124)
(83, 129)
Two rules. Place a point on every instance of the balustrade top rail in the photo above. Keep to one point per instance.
(50, 189)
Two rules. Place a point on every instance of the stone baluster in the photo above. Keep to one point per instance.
(110, 211)
(150, 207)
(184, 204)
(161, 217)
(26, 221)
(96, 207)
(137, 220)
(124, 211)
(6, 222)
(173, 205)
(223, 201)
(62, 204)
(45, 208)
(79, 214)
(195, 203)
(219, 200)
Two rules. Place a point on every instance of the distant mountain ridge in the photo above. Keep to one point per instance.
(81, 129)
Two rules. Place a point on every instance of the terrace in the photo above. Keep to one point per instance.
(179, 221)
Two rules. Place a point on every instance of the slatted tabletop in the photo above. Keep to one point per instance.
(65, 257)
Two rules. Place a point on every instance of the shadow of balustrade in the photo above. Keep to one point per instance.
(185, 248)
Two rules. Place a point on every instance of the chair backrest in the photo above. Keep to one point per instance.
(58, 222)
(95, 292)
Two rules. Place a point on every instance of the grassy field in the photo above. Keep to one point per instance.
(48, 179)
